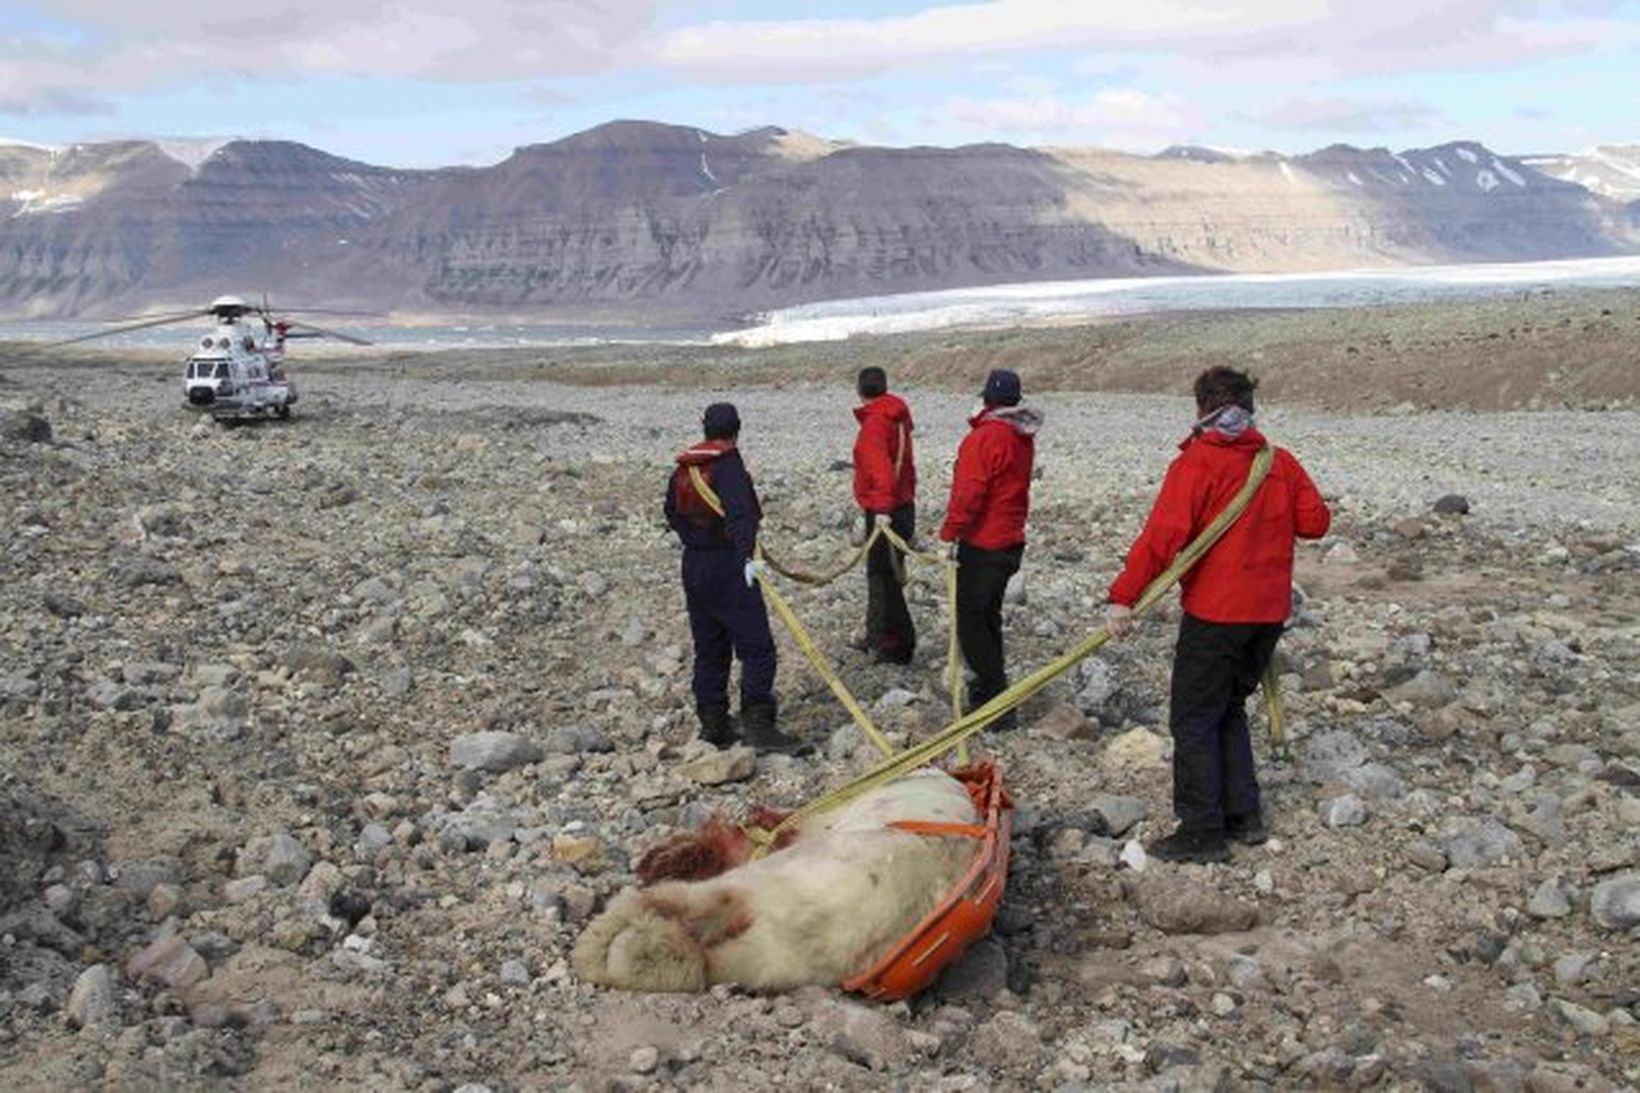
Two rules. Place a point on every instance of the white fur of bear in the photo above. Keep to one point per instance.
(818, 911)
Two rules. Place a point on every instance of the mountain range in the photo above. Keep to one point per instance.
(641, 221)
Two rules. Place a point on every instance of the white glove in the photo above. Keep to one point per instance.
(884, 521)
(1118, 621)
(950, 552)
(856, 534)
(754, 570)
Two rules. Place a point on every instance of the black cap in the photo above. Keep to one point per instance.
(721, 421)
(1001, 388)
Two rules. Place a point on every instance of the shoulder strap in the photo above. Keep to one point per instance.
(702, 487)
(899, 454)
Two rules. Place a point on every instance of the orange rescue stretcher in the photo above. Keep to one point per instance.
(966, 913)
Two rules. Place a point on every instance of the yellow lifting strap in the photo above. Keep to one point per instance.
(920, 755)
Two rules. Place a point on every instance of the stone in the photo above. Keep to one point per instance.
(1615, 903)
(644, 1060)
(1344, 811)
(141, 877)
(1471, 844)
(1584, 1021)
(1452, 504)
(716, 768)
(584, 853)
(1008, 1041)
(1375, 781)
(287, 860)
(171, 962)
(241, 889)
(515, 973)
(319, 887)
(1427, 857)
(1096, 685)
(1065, 722)
(493, 751)
(91, 1002)
(1340, 553)
(1177, 904)
(1114, 816)
(866, 1035)
(1549, 901)
(1331, 754)
(1428, 689)
(1166, 971)
(1136, 749)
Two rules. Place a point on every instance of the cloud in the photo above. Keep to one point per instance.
(131, 49)
(1342, 37)
(1119, 117)
(1345, 115)
(820, 49)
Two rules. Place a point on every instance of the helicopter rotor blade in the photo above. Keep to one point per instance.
(160, 320)
(327, 311)
(319, 331)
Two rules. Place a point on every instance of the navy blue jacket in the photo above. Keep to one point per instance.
(697, 526)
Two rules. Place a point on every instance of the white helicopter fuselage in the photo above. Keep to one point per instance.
(232, 374)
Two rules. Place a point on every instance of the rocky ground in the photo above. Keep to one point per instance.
(253, 832)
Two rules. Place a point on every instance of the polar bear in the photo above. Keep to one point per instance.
(817, 911)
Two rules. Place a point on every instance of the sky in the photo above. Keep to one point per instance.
(420, 83)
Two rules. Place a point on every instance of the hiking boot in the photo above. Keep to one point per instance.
(1247, 830)
(761, 733)
(716, 727)
(1203, 848)
(900, 657)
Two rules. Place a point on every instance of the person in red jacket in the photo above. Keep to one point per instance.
(1235, 601)
(990, 498)
(885, 486)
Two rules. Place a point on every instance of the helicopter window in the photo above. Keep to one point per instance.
(248, 343)
(222, 370)
(205, 343)
(222, 343)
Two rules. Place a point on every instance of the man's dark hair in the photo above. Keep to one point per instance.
(1223, 386)
(721, 421)
(873, 381)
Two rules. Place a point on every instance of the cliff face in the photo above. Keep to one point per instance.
(649, 219)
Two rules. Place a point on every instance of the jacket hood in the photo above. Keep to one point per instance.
(887, 405)
(1250, 439)
(1024, 420)
(704, 451)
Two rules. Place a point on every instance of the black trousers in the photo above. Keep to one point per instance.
(727, 619)
(1216, 666)
(982, 578)
(888, 621)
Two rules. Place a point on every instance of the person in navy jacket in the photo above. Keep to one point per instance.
(1235, 601)
(985, 519)
(885, 487)
(727, 617)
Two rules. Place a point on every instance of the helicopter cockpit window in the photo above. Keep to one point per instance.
(222, 343)
(248, 343)
(205, 343)
(221, 370)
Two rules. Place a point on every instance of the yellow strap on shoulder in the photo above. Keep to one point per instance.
(704, 488)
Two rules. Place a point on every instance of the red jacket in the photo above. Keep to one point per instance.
(1248, 575)
(885, 436)
(991, 484)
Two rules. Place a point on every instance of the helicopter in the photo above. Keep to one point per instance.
(234, 374)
